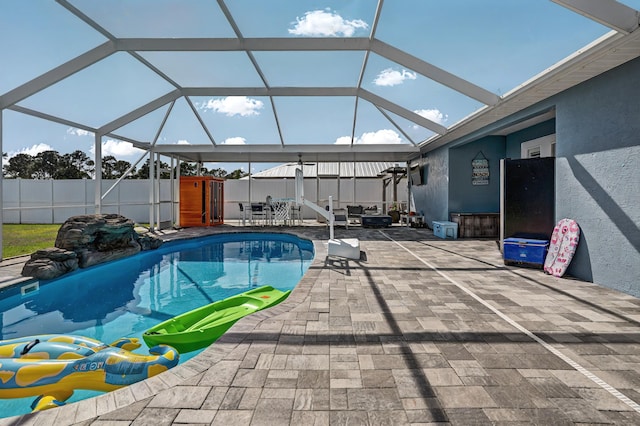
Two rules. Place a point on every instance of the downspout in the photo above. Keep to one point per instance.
(409, 184)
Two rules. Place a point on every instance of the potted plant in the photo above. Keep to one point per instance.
(394, 212)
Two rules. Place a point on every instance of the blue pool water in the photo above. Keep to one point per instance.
(125, 297)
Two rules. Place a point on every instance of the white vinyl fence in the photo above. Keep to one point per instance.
(53, 201)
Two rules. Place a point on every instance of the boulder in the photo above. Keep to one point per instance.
(50, 263)
(146, 239)
(95, 232)
(88, 257)
(91, 239)
(98, 238)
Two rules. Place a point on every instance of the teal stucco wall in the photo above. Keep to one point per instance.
(597, 180)
(432, 198)
(515, 139)
(598, 175)
(464, 197)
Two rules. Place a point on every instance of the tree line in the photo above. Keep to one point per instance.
(78, 165)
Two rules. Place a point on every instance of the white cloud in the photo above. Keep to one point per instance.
(323, 23)
(116, 148)
(384, 136)
(78, 132)
(184, 142)
(32, 150)
(234, 105)
(391, 77)
(234, 141)
(433, 115)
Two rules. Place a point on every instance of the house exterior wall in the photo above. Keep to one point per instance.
(597, 184)
(515, 139)
(598, 175)
(464, 197)
(432, 198)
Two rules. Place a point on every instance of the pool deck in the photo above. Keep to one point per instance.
(419, 331)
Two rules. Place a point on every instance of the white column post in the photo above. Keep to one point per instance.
(1, 199)
(97, 179)
(339, 172)
(176, 190)
(249, 183)
(172, 186)
(151, 190)
(53, 201)
(19, 200)
(157, 189)
(355, 201)
(331, 218)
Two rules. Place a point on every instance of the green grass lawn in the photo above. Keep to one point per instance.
(25, 239)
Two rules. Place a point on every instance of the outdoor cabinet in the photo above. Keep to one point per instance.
(477, 225)
(201, 201)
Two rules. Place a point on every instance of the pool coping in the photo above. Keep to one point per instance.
(110, 401)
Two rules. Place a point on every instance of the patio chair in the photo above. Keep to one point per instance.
(296, 214)
(340, 218)
(242, 219)
(258, 213)
(269, 209)
(354, 213)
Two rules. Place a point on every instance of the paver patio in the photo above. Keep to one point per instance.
(420, 331)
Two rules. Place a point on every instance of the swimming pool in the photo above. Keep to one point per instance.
(125, 297)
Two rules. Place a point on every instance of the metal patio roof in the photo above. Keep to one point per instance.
(370, 169)
(153, 53)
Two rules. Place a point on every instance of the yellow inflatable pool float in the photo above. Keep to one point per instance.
(50, 367)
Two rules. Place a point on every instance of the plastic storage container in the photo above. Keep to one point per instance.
(375, 221)
(526, 252)
(445, 229)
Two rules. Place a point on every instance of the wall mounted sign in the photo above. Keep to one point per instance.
(480, 170)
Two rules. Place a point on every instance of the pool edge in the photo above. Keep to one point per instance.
(120, 398)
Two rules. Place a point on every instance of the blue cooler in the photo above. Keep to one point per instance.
(444, 229)
(526, 252)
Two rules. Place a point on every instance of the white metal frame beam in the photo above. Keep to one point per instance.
(363, 68)
(402, 112)
(57, 74)
(275, 44)
(270, 91)
(289, 153)
(254, 62)
(200, 120)
(140, 112)
(434, 73)
(611, 13)
(399, 128)
(314, 44)
(53, 118)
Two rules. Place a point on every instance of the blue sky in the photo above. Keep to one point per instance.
(494, 44)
